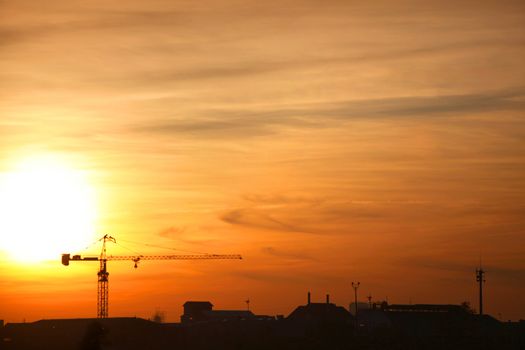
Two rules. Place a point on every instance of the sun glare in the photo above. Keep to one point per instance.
(46, 208)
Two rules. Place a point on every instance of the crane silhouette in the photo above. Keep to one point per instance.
(103, 274)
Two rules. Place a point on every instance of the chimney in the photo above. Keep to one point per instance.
(308, 298)
(328, 298)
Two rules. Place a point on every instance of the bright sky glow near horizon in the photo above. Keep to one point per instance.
(325, 141)
(47, 209)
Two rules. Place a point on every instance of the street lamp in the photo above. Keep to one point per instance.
(355, 285)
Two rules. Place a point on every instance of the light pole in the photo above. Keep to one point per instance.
(355, 285)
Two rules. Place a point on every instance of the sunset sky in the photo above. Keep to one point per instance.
(325, 141)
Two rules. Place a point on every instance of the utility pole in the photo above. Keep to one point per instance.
(369, 297)
(480, 278)
(355, 285)
(247, 301)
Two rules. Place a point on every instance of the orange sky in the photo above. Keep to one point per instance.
(326, 142)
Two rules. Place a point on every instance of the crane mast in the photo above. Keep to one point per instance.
(103, 274)
(103, 280)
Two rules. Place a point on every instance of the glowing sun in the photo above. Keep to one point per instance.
(46, 208)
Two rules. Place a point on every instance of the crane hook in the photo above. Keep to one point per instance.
(136, 261)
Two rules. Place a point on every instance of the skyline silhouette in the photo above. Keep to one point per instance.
(314, 325)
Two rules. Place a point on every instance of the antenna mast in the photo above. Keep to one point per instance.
(480, 278)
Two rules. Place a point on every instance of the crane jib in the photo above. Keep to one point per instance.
(66, 258)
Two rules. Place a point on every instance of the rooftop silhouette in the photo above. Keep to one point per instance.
(315, 325)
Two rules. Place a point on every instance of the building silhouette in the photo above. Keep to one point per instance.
(319, 313)
(311, 326)
(202, 311)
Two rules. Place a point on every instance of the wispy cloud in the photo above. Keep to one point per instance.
(297, 215)
(248, 123)
(259, 219)
(89, 21)
(287, 255)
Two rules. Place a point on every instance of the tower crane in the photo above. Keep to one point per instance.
(103, 274)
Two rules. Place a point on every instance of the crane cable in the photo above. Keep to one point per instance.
(142, 244)
(90, 245)
(131, 250)
(162, 247)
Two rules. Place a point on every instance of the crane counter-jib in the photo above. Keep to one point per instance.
(66, 258)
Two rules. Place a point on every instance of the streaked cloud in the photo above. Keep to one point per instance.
(249, 123)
